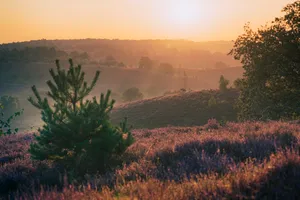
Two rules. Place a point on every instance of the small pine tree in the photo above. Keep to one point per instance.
(223, 83)
(77, 133)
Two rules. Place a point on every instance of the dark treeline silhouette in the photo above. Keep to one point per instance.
(38, 54)
(270, 58)
(179, 53)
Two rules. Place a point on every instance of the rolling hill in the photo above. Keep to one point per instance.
(180, 109)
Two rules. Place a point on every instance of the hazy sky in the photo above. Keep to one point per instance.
(132, 19)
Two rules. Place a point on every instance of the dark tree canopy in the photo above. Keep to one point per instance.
(145, 63)
(132, 94)
(39, 54)
(166, 68)
(110, 61)
(271, 59)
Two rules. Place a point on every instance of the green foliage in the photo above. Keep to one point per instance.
(212, 102)
(238, 83)
(31, 54)
(223, 83)
(145, 63)
(10, 105)
(132, 94)
(39, 53)
(77, 133)
(6, 123)
(270, 57)
(9, 111)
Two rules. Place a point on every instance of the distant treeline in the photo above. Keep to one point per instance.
(39, 54)
(179, 53)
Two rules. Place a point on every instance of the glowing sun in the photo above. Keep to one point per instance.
(184, 12)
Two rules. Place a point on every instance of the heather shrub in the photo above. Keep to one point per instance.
(285, 176)
(275, 178)
(252, 160)
(15, 174)
(212, 124)
(77, 134)
(18, 172)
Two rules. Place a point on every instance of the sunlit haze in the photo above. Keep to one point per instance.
(197, 20)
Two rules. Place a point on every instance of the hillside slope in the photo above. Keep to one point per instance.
(182, 109)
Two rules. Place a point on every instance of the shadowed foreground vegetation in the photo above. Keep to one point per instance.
(179, 109)
(252, 160)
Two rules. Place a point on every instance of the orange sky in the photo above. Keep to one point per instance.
(196, 20)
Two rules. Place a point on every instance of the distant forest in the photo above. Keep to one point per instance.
(179, 53)
(38, 54)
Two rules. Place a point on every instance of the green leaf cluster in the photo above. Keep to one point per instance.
(271, 59)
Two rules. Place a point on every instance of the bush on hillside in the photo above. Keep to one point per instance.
(132, 94)
(212, 102)
(212, 124)
(77, 134)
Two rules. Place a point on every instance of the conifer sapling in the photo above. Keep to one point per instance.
(77, 133)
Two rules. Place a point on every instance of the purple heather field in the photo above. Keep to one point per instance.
(250, 160)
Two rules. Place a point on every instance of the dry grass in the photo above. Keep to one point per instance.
(252, 160)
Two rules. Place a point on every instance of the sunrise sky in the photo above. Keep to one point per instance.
(197, 20)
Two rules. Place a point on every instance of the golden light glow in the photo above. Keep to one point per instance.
(185, 12)
(133, 19)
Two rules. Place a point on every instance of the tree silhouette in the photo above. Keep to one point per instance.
(145, 63)
(223, 83)
(270, 57)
